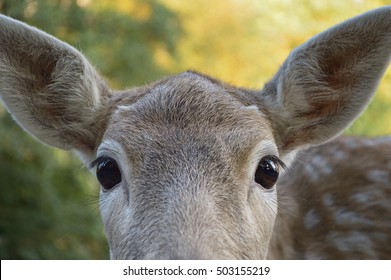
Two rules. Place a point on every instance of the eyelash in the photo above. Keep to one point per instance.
(257, 157)
(96, 161)
(280, 162)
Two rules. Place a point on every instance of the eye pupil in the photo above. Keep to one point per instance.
(267, 172)
(108, 173)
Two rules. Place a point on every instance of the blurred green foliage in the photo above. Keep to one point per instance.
(48, 201)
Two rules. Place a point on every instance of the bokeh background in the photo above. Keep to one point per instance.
(48, 200)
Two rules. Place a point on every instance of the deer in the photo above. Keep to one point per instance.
(191, 167)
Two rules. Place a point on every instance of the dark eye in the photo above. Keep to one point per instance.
(267, 171)
(107, 172)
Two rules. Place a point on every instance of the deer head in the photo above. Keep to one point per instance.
(188, 165)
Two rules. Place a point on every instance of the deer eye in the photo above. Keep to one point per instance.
(107, 172)
(267, 172)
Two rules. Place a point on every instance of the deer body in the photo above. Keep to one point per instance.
(189, 165)
(335, 202)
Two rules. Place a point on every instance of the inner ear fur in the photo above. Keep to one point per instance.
(327, 82)
(49, 87)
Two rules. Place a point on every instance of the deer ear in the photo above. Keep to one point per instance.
(327, 82)
(49, 87)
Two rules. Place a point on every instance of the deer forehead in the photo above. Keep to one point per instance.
(188, 116)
